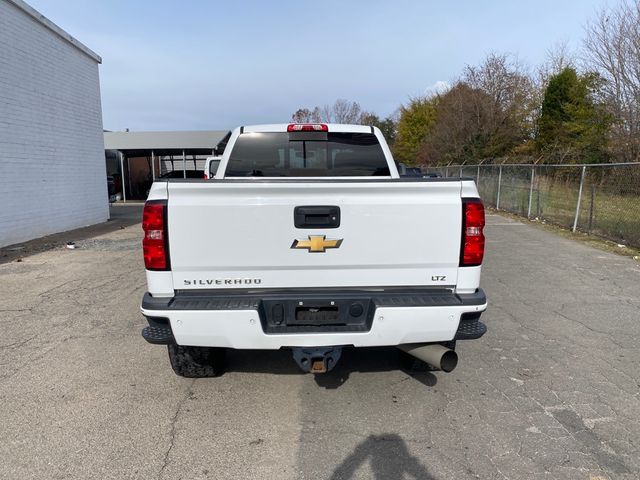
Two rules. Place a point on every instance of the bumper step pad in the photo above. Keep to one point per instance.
(161, 335)
(470, 329)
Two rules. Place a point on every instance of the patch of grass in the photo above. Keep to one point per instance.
(593, 241)
(604, 210)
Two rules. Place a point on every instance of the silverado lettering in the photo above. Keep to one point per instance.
(224, 281)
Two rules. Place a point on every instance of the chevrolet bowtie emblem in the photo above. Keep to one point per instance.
(316, 243)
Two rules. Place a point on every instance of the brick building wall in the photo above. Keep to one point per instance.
(52, 167)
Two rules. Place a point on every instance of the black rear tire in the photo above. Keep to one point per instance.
(196, 362)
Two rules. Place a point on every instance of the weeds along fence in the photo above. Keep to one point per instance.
(598, 199)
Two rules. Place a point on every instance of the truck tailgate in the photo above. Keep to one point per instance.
(241, 234)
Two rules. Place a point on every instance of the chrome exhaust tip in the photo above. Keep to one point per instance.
(434, 354)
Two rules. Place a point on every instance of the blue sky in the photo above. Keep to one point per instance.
(198, 65)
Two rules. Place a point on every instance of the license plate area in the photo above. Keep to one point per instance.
(316, 316)
(288, 315)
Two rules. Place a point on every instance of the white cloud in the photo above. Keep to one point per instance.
(440, 87)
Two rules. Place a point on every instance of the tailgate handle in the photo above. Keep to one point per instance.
(316, 217)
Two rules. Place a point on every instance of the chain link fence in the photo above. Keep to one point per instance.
(598, 199)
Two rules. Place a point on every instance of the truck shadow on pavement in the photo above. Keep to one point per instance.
(362, 360)
(388, 456)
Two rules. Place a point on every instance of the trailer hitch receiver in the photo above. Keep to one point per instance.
(316, 359)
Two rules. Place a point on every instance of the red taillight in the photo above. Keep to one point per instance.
(154, 245)
(307, 127)
(472, 249)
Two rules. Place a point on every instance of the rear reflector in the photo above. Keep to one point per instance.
(307, 127)
(472, 247)
(154, 243)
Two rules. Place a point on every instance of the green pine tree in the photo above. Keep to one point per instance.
(572, 127)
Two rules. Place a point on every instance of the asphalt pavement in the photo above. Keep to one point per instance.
(551, 391)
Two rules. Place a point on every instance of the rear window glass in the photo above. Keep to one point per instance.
(302, 154)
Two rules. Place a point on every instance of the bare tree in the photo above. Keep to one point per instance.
(559, 57)
(463, 130)
(612, 48)
(342, 111)
(304, 115)
(510, 116)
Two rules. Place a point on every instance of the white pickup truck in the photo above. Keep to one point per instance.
(308, 239)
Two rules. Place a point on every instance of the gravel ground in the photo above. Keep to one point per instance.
(552, 391)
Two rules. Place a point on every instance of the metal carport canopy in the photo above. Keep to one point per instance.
(170, 142)
(132, 144)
